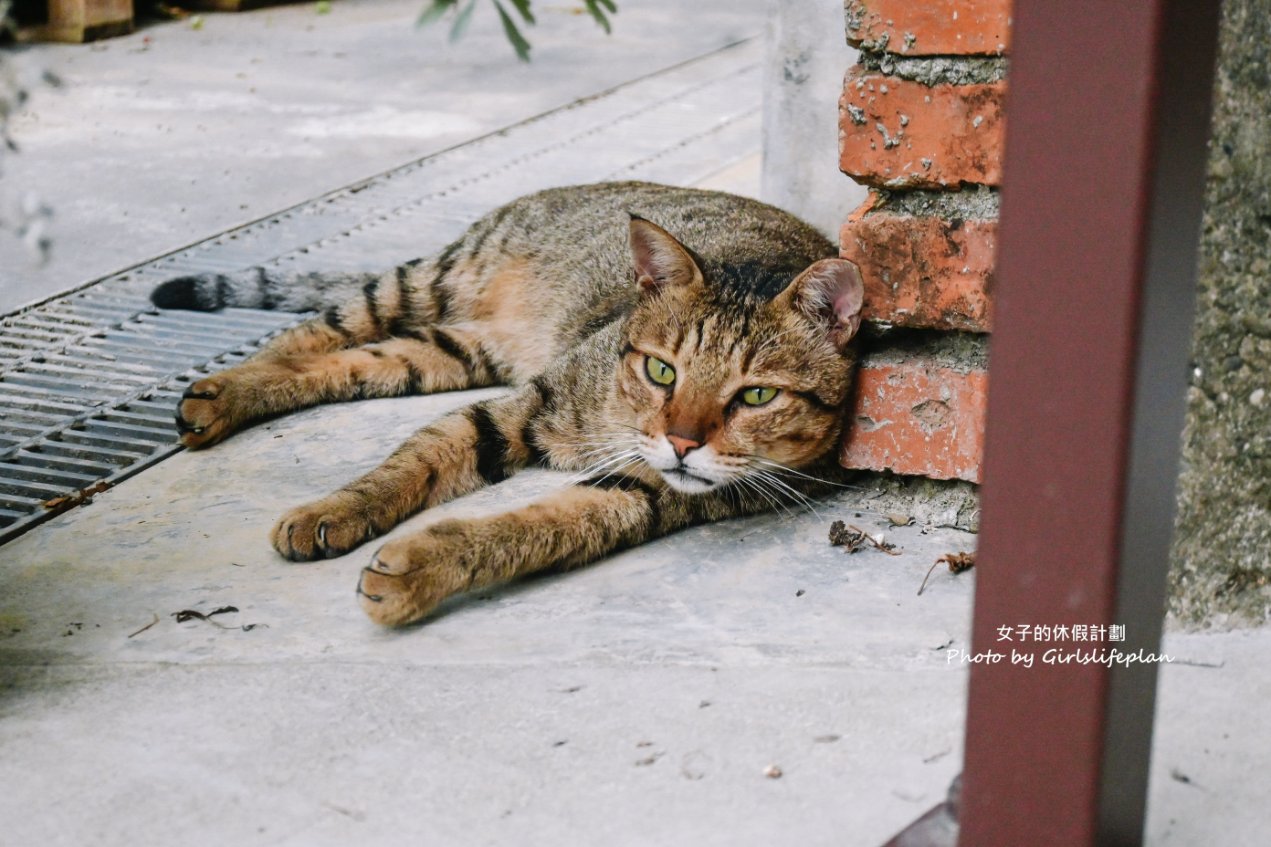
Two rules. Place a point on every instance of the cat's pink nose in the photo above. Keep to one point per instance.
(682, 445)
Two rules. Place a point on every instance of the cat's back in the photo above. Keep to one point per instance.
(587, 225)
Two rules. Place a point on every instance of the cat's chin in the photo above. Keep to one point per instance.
(688, 483)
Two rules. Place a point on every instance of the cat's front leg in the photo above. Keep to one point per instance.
(410, 576)
(463, 451)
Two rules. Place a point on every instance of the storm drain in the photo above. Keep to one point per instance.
(89, 381)
(89, 390)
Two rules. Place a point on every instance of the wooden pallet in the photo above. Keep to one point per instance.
(86, 20)
(230, 5)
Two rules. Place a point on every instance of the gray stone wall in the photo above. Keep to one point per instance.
(1221, 570)
(806, 55)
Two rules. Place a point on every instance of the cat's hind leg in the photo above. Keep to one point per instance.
(463, 451)
(215, 406)
(428, 361)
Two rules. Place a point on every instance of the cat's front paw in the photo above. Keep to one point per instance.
(208, 411)
(409, 577)
(330, 527)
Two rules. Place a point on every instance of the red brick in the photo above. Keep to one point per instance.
(931, 28)
(923, 272)
(917, 418)
(932, 137)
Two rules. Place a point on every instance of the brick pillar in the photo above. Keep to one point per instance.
(920, 124)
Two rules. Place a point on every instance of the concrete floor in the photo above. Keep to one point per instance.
(635, 702)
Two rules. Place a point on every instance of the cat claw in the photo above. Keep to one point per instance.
(374, 598)
(203, 394)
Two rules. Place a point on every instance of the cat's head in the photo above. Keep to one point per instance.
(726, 385)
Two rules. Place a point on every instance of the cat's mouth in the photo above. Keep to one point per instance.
(689, 483)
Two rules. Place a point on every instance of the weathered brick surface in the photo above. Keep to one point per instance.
(917, 417)
(895, 133)
(923, 272)
(930, 28)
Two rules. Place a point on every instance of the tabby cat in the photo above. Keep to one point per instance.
(687, 377)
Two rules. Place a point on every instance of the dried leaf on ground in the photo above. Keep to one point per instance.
(853, 539)
(192, 614)
(957, 562)
(195, 615)
(78, 498)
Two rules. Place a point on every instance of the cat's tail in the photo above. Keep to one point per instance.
(259, 288)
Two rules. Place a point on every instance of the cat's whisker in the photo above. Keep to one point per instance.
(592, 453)
(777, 480)
(781, 486)
(786, 469)
(619, 469)
(753, 486)
(609, 457)
(608, 465)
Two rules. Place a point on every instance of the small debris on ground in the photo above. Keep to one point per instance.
(648, 760)
(144, 628)
(195, 615)
(800, 593)
(772, 772)
(79, 498)
(957, 562)
(1179, 776)
(827, 739)
(897, 519)
(853, 539)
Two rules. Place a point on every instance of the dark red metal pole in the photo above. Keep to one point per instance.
(1107, 118)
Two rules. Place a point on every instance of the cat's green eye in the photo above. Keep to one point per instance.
(659, 371)
(758, 395)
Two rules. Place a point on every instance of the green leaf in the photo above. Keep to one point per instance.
(523, 6)
(461, 22)
(519, 44)
(434, 11)
(596, 12)
(610, 5)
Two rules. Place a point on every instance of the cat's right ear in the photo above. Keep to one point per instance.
(830, 293)
(659, 259)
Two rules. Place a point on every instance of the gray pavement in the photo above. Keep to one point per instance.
(636, 702)
(183, 132)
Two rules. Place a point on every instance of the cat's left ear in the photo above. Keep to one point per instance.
(831, 293)
(660, 261)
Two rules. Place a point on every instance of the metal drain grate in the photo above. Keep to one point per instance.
(89, 381)
(82, 402)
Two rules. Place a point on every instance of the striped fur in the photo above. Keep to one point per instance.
(564, 295)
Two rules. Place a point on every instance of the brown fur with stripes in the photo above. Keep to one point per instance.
(564, 295)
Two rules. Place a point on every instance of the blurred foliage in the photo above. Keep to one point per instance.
(23, 217)
(460, 13)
